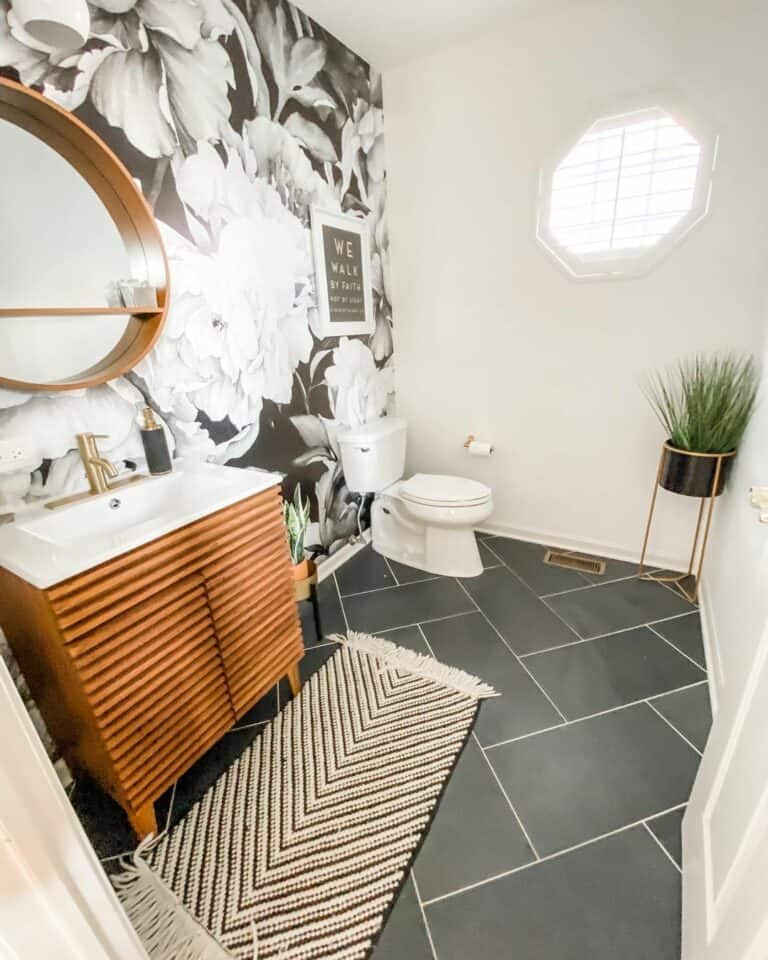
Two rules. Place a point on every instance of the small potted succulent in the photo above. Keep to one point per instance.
(704, 404)
(296, 517)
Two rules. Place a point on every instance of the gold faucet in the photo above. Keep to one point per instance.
(98, 470)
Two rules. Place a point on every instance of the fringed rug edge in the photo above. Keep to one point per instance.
(166, 928)
(401, 658)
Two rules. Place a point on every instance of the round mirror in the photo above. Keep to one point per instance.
(83, 278)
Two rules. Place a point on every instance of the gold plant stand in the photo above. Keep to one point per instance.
(707, 505)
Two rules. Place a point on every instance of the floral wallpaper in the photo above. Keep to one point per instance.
(234, 116)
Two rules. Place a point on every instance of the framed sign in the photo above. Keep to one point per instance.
(342, 271)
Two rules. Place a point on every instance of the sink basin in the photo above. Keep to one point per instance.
(45, 547)
(111, 512)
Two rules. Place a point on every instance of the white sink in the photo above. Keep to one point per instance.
(112, 512)
(45, 547)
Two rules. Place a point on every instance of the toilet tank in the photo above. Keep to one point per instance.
(373, 454)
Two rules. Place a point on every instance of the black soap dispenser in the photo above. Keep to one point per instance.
(155, 444)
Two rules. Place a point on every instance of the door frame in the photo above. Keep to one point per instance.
(54, 893)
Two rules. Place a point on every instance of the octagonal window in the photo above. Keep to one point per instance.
(625, 193)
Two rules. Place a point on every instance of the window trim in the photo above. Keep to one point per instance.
(597, 266)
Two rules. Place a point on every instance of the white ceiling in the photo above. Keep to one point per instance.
(390, 32)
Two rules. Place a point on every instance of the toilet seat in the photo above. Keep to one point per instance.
(437, 490)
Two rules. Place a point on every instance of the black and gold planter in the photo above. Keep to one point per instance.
(689, 474)
(693, 474)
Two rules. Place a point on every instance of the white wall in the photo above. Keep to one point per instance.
(492, 338)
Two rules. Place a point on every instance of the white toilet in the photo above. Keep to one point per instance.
(426, 522)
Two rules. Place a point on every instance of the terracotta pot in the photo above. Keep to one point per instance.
(693, 474)
(303, 570)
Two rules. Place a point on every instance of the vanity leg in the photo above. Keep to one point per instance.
(316, 612)
(143, 821)
(294, 678)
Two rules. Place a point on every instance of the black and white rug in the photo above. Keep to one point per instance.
(300, 848)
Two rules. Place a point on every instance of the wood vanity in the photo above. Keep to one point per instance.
(140, 664)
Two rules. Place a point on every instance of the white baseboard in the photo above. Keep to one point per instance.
(327, 565)
(609, 550)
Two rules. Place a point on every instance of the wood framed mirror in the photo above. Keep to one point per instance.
(73, 227)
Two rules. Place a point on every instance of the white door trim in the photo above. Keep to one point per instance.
(55, 898)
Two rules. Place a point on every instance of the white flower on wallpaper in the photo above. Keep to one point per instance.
(235, 116)
(154, 68)
(359, 389)
(238, 324)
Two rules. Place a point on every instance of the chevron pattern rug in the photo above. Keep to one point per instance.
(299, 849)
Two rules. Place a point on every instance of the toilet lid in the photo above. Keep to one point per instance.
(435, 489)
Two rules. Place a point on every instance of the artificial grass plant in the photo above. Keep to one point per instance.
(705, 402)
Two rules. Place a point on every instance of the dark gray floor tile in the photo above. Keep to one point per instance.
(484, 535)
(313, 659)
(202, 774)
(331, 616)
(616, 606)
(474, 834)
(264, 710)
(410, 637)
(487, 558)
(619, 897)
(689, 711)
(685, 633)
(406, 574)
(472, 645)
(104, 821)
(600, 674)
(404, 936)
(580, 781)
(400, 606)
(667, 828)
(366, 570)
(527, 561)
(687, 582)
(112, 866)
(522, 619)
(614, 569)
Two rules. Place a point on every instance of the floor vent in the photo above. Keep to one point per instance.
(583, 564)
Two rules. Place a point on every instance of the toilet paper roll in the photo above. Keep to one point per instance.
(479, 449)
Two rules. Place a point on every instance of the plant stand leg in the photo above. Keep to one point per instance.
(712, 498)
(316, 612)
(294, 678)
(696, 537)
(650, 515)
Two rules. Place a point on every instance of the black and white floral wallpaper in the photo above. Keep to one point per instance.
(234, 116)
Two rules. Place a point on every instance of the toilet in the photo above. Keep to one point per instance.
(427, 521)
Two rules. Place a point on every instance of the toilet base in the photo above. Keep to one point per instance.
(446, 551)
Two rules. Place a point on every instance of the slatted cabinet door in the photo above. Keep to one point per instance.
(251, 596)
(153, 678)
